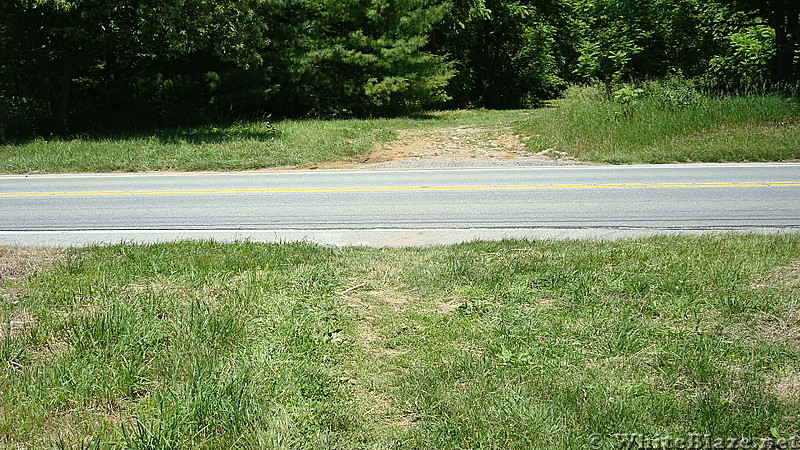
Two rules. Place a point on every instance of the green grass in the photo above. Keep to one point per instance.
(663, 127)
(244, 146)
(664, 124)
(511, 344)
(252, 145)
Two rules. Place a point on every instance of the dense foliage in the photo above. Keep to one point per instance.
(87, 63)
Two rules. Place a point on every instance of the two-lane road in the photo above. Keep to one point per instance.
(400, 207)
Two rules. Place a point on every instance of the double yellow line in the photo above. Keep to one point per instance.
(476, 187)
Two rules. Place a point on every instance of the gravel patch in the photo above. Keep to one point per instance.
(450, 162)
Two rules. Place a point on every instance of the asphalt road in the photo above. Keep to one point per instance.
(415, 207)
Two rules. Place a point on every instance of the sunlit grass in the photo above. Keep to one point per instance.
(587, 125)
(251, 145)
(244, 146)
(511, 344)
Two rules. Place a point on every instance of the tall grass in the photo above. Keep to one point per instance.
(661, 122)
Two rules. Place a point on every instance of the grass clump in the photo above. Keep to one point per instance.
(509, 344)
(663, 122)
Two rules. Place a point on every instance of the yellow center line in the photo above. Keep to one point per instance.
(478, 187)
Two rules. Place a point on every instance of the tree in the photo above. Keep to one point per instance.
(783, 16)
(47, 44)
(624, 39)
(364, 57)
(724, 39)
(505, 52)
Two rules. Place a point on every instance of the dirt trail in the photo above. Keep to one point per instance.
(461, 146)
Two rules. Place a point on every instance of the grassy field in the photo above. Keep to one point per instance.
(660, 125)
(671, 125)
(510, 344)
(243, 146)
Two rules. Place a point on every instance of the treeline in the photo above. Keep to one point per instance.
(102, 63)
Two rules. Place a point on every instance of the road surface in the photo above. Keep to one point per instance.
(413, 207)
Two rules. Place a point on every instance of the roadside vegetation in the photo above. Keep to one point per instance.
(664, 122)
(88, 86)
(240, 146)
(656, 122)
(510, 344)
(70, 66)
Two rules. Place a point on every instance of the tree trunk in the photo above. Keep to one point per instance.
(62, 114)
(786, 45)
(793, 42)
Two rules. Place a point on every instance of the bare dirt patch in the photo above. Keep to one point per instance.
(75, 426)
(370, 339)
(394, 299)
(787, 389)
(406, 421)
(783, 276)
(17, 263)
(459, 142)
(780, 330)
(385, 408)
(380, 302)
(789, 275)
(367, 336)
(448, 307)
(371, 387)
(451, 146)
(392, 351)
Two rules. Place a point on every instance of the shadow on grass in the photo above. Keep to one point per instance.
(208, 136)
(212, 133)
(165, 136)
(427, 115)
